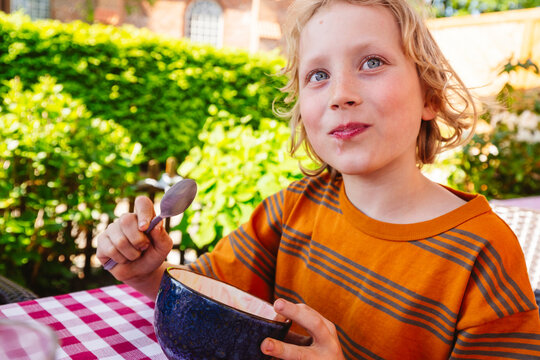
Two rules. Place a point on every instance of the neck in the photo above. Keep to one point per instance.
(401, 196)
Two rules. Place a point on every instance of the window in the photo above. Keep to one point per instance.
(204, 22)
(37, 9)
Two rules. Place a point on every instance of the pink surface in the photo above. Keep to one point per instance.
(225, 294)
(114, 322)
(531, 202)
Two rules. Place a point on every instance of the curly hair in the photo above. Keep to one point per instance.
(455, 106)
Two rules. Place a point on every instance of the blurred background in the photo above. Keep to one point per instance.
(103, 100)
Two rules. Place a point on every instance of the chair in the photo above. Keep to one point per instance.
(526, 225)
(11, 292)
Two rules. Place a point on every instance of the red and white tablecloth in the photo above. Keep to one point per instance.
(114, 322)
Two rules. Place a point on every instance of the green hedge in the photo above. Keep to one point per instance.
(60, 170)
(235, 169)
(502, 160)
(161, 90)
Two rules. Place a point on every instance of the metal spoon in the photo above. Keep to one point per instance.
(175, 201)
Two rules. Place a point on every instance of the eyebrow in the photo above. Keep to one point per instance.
(360, 47)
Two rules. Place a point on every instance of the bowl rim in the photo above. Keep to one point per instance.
(286, 322)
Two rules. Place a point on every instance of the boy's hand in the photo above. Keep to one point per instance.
(325, 343)
(124, 242)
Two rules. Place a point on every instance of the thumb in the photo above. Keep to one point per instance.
(160, 239)
(144, 209)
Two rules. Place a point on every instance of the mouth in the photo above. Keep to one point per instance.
(348, 131)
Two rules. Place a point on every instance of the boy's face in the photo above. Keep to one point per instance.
(360, 97)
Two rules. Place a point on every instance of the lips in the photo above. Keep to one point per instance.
(348, 131)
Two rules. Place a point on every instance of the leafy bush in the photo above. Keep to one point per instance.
(60, 169)
(503, 158)
(235, 169)
(161, 90)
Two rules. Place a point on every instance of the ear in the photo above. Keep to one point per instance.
(428, 113)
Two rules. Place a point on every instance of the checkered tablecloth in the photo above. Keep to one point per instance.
(114, 322)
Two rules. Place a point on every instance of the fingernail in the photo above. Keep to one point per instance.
(279, 304)
(142, 224)
(144, 247)
(268, 346)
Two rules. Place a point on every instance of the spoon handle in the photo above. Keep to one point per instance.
(111, 263)
(153, 224)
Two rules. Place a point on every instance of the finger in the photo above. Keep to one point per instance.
(298, 339)
(314, 323)
(130, 230)
(161, 244)
(281, 350)
(106, 250)
(144, 209)
(118, 235)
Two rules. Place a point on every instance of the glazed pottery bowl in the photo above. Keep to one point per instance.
(197, 317)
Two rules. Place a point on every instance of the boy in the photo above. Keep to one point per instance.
(365, 254)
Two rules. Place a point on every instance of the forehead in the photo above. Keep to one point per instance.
(345, 24)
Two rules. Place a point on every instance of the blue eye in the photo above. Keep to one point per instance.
(372, 63)
(318, 76)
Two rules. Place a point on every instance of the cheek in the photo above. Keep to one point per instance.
(310, 111)
(403, 103)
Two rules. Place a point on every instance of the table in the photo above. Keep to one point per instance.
(530, 202)
(113, 322)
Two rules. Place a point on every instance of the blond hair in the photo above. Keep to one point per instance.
(444, 90)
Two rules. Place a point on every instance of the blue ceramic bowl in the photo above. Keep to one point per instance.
(198, 318)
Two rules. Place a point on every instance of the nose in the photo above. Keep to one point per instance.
(345, 93)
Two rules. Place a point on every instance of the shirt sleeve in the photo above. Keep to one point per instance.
(499, 318)
(246, 258)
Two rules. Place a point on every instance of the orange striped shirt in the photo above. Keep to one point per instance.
(452, 287)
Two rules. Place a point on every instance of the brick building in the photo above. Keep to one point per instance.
(477, 46)
(248, 24)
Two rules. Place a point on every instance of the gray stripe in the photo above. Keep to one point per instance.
(492, 286)
(248, 265)
(381, 298)
(497, 257)
(323, 193)
(453, 249)
(507, 291)
(265, 256)
(512, 335)
(297, 233)
(331, 186)
(296, 298)
(509, 344)
(300, 248)
(346, 349)
(491, 265)
(367, 352)
(255, 259)
(303, 191)
(468, 267)
(486, 296)
(482, 271)
(208, 266)
(196, 267)
(496, 354)
(444, 255)
(271, 217)
(461, 241)
(389, 292)
(371, 302)
(453, 316)
(294, 294)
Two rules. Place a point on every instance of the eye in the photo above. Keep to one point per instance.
(317, 76)
(372, 63)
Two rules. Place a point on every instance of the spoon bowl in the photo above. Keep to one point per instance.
(175, 201)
